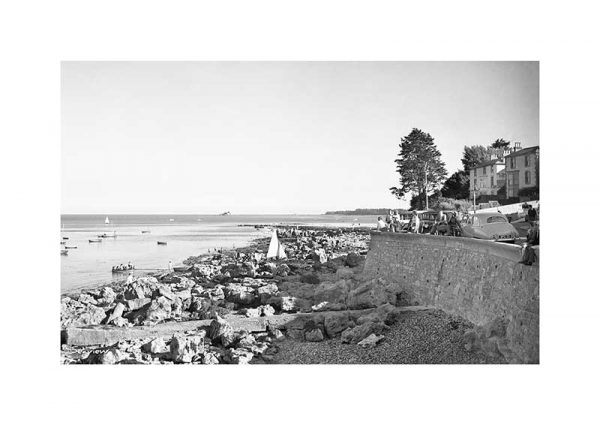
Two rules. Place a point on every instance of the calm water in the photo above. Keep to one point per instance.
(90, 263)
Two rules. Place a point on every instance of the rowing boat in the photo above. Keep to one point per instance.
(95, 240)
(70, 247)
(161, 243)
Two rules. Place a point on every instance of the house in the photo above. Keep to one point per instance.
(487, 177)
(522, 170)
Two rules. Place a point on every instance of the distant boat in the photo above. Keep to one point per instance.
(226, 213)
(106, 220)
(65, 238)
(63, 252)
(161, 243)
(70, 247)
(95, 240)
(62, 242)
(145, 231)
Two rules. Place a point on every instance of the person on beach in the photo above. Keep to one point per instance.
(170, 266)
(381, 226)
(130, 278)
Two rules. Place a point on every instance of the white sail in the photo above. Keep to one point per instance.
(276, 249)
(106, 220)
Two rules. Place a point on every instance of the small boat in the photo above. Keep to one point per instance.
(62, 242)
(63, 252)
(161, 242)
(125, 270)
(106, 220)
(65, 238)
(145, 231)
(95, 240)
(225, 213)
(70, 247)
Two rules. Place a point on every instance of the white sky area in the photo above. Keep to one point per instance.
(273, 137)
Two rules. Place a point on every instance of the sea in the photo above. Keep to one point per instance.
(133, 238)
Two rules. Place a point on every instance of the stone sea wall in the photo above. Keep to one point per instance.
(480, 281)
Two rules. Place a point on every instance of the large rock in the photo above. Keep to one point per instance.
(239, 294)
(85, 316)
(185, 348)
(156, 346)
(266, 310)
(370, 341)
(292, 304)
(384, 314)
(353, 259)
(221, 331)
(282, 270)
(335, 324)
(87, 299)
(107, 295)
(335, 293)
(138, 303)
(159, 310)
(238, 356)
(360, 332)
(143, 287)
(116, 313)
(314, 335)
(370, 294)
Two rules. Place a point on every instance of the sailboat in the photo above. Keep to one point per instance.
(106, 220)
(276, 249)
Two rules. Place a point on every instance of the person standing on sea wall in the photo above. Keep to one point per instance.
(415, 223)
(389, 221)
(170, 266)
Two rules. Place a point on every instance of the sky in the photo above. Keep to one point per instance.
(273, 137)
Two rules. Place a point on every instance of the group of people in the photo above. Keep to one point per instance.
(392, 223)
(443, 224)
(122, 267)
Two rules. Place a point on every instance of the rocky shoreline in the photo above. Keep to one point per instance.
(222, 308)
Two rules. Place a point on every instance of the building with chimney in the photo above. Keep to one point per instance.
(522, 171)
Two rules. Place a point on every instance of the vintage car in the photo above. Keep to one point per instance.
(491, 226)
(428, 219)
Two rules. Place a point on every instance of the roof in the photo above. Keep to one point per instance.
(486, 163)
(523, 151)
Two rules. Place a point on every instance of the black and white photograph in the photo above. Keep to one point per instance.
(316, 212)
(300, 213)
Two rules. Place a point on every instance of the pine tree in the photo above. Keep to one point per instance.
(419, 161)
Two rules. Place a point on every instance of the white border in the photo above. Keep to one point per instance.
(36, 36)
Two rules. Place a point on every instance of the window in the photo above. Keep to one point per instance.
(496, 219)
(484, 169)
(527, 160)
(527, 177)
(492, 180)
(475, 184)
(512, 162)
